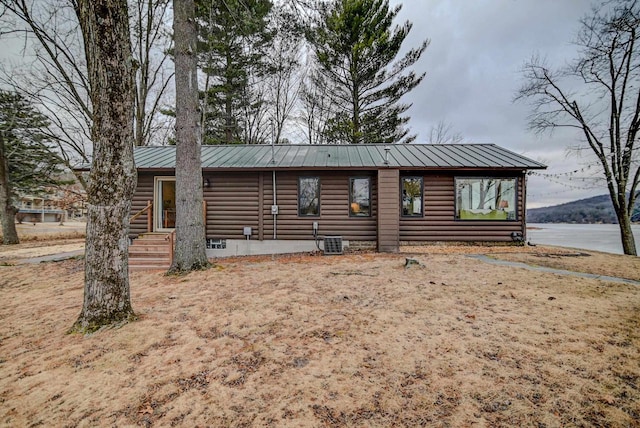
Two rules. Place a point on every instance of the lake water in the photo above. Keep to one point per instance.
(599, 237)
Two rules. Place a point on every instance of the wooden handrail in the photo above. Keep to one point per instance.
(139, 213)
(149, 215)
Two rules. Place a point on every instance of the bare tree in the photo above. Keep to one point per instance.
(190, 252)
(151, 45)
(604, 107)
(316, 108)
(443, 133)
(255, 126)
(53, 72)
(112, 181)
(285, 80)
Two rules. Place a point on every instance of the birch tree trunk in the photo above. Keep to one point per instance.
(190, 252)
(112, 181)
(7, 210)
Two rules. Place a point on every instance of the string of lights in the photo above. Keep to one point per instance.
(562, 174)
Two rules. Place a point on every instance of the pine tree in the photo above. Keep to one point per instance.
(190, 252)
(233, 36)
(27, 162)
(355, 48)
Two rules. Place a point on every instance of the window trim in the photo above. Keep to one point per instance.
(351, 179)
(456, 215)
(319, 192)
(421, 178)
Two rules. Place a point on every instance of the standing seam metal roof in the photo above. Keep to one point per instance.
(413, 156)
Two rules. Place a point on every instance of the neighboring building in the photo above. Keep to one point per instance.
(264, 199)
(39, 209)
(56, 205)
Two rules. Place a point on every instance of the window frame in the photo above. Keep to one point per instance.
(351, 201)
(516, 194)
(412, 177)
(318, 191)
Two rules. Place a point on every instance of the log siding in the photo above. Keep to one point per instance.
(240, 199)
(235, 200)
(334, 216)
(438, 222)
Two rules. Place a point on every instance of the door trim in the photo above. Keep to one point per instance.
(157, 203)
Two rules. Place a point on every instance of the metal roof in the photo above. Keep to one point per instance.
(406, 156)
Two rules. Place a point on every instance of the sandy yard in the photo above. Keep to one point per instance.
(354, 340)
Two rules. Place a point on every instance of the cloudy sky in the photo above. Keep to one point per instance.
(473, 63)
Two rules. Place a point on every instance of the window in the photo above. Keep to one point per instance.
(309, 196)
(412, 196)
(486, 198)
(359, 197)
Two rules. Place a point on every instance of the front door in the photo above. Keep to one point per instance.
(165, 204)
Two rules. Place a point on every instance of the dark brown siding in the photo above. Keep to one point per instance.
(334, 207)
(235, 200)
(439, 224)
(232, 204)
(143, 194)
(389, 210)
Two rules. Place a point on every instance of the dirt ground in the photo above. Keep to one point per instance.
(354, 340)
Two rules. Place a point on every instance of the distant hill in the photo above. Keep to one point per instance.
(598, 209)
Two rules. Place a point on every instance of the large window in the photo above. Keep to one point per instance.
(412, 196)
(359, 197)
(486, 198)
(309, 196)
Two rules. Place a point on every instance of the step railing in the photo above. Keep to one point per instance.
(149, 211)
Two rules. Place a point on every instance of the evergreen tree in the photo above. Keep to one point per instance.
(27, 162)
(190, 252)
(233, 37)
(356, 48)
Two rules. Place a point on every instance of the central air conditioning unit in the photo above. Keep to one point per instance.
(332, 245)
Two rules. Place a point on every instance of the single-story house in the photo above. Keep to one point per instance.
(283, 198)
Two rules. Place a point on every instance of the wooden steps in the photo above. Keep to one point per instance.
(151, 251)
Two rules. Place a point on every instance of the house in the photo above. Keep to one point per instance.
(287, 198)
(53, 205)
(39, 209)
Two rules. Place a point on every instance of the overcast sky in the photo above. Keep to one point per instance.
(473, 63)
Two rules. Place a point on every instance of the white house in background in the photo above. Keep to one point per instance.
(56, 207)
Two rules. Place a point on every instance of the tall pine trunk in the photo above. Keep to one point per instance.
(7, 210)
(112, 181)
(190, 252)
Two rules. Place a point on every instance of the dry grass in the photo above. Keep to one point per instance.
(355, 340)
(39, 233)
(582, 261)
